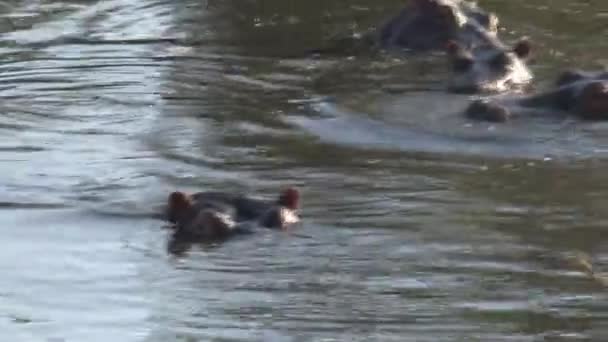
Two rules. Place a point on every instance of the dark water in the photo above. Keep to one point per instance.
(420, 226)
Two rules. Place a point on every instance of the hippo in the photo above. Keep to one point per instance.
(478, 60)
(210, 222)
(488, 68)
(577, 93)
(218, 215)
(424, 25)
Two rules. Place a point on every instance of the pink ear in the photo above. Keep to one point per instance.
(178, 203)
(290, 198)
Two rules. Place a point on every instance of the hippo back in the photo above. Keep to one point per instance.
(245, 208)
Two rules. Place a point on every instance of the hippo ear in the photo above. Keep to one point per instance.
(523, 48)
(289, 198)
(178, 204)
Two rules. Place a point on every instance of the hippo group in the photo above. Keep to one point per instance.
(479, 63)
(479, 60)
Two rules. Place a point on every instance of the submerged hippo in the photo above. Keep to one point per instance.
(430, 24)
(210, 222)
(582, 94)
(479, 61)
(218, 215)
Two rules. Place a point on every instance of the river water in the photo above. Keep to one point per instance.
(419, 225)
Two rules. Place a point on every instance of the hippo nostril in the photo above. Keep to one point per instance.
(462, 64)
(487, 111)
(500, 61)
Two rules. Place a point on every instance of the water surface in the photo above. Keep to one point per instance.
(419, 224)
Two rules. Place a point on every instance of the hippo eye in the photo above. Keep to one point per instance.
(462, 64)
(500, 61)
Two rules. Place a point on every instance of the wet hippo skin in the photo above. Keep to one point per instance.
(218, 215)
(577, 93)
(479, 61)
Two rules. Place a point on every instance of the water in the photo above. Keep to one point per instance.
(419, 225)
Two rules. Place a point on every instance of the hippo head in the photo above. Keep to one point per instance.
(586, 93)
(488, 67)
(285, 212)
(210, 221)
(593, 100)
